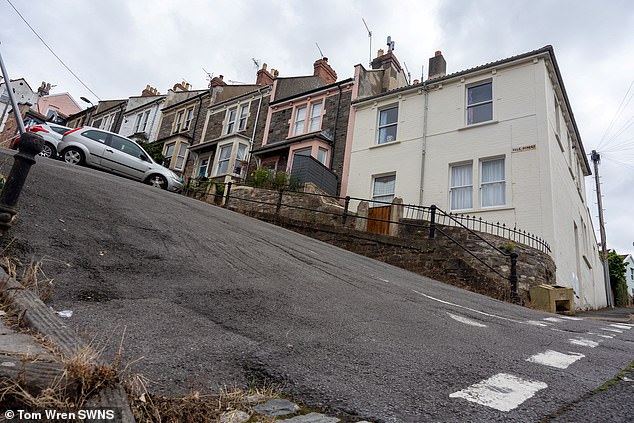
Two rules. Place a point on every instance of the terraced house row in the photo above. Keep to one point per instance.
(497, 141)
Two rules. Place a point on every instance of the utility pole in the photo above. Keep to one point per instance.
(596, 159)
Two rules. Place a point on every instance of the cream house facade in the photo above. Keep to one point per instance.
(499, 142)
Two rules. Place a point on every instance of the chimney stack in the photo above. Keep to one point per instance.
(265, 77)
(437, 66)
(217, 81)
(385, 60)
(181, 86)
(149, 91)
(324, 71)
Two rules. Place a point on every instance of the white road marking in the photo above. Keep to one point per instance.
(466, 320)
(466, 308)
(555, 359)
(570, 318)
(612, 330)
(552, 319)
(619, 326)
(503, 392)
(536, 323)
(584, 342)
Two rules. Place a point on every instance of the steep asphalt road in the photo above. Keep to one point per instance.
(208, 298)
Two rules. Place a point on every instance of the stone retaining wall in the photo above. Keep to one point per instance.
(408, 246)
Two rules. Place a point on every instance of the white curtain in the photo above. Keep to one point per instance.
(461, 187)
(493, 184)
(383, 189)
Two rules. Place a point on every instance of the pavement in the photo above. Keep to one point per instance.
(612, 314)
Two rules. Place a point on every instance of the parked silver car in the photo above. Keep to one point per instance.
(116, 154)
(52, 134)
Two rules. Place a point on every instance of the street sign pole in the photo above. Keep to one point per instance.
(14, 103)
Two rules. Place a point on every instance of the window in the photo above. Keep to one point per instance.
(105, 123)
(145, 119)
(493, 186)
(180, 157)
(169, 152)
(241, 158)
(387, 125)
(244, 113)
(98, 136)
(125, 146)
(203, 166)
(189, 114)
(306, 122)
(315, 117)
(480, 103)
(137, 124)
(141, 121)
(231, 121)
(223, 159)
(178, 122)
(300, 119)
(321, 155)
(383, 189)
(461, 191)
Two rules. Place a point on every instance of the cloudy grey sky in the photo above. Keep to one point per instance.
(118, 46)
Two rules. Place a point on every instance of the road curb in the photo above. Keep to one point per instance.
(38, 316)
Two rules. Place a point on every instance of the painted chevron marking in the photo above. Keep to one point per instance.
(555, 359)
(466, 320)
(503, 392)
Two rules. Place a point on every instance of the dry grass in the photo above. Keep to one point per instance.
(196, 407)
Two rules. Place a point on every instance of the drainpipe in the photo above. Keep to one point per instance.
(255, 127)
(200, 102)
(334, 129)
(424, 150)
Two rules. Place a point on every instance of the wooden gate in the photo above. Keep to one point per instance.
(378, 220)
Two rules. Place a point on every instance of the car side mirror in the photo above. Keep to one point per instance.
(144, 157)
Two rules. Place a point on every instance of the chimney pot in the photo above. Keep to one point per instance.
(380, 52)
(416, 81)
(438, 53)
(264, 65)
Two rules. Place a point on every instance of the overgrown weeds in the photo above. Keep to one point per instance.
(31, 276)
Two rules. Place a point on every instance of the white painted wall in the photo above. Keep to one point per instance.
(134, 108)
(542, 197)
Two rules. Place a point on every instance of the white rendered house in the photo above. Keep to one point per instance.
(497, 141)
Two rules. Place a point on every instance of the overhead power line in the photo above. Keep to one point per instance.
(617, 114)
(51, 50)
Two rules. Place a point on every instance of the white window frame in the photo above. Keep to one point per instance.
(243, 116)
(181, 154)
(189, 116)
(310, 122)
(382, 197)
(146, 117)
(178, 121)
(386, 125)
(168, 158)
(107, 122)
(469, 106)
(137, 123)
(219, 161)
(232, 117)
(501, 182)
(453, 187)
(324, 153)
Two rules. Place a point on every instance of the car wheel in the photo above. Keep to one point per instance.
(48, 150)
(74, 156)
(157, 181)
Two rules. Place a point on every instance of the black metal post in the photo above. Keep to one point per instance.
(345, 209)
(29, 146)
(228, 194)
(279, 205)
(515, 296)
(432, 224)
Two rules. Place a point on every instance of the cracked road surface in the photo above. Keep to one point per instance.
(203, 298)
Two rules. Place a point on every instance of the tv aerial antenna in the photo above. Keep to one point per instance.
(320, 52)
(256, 63)
(370, 37)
